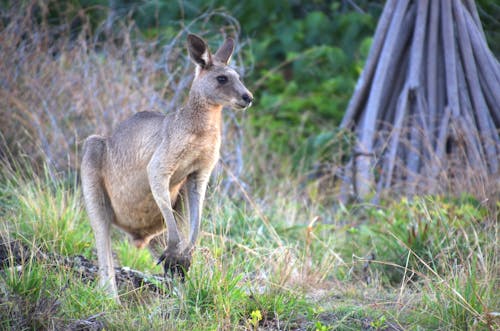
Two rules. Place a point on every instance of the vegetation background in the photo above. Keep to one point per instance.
(278, 251)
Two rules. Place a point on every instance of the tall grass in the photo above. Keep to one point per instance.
(62, 82)
(429, 262)
(50, 212)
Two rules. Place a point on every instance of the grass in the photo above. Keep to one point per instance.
(425, 263)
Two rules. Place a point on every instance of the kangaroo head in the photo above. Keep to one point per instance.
(215, 81)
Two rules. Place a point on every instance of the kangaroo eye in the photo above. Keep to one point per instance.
(222, 79)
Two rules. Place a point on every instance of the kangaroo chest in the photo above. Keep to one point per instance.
(199, 155)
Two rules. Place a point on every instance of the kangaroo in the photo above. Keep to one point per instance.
(136, 177)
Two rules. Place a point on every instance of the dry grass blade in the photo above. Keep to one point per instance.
(456, 295)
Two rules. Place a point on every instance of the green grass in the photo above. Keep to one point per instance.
(45, 212)
(260, 264)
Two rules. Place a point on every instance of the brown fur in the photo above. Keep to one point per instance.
(133, 178)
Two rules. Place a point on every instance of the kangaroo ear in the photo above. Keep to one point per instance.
(225, 52)
(198, 51)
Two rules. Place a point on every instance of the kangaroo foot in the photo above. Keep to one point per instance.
(176, 264)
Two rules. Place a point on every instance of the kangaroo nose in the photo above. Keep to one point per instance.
(247, 98)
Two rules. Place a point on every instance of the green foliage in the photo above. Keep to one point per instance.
(279, 305)
(81, 300)
(255, 318)
(436, 245)
(460, 302)
(217, 293)
(308, 95)
(26, 282)
(139, 259)
(489, 12)
(416, 235)
(38, 283)
(47, 211)
(329, 147)
(318, 326)
(379, 323)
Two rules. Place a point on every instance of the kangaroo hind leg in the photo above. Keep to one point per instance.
(99, 208)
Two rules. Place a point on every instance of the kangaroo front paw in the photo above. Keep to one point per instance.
(176, 263)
